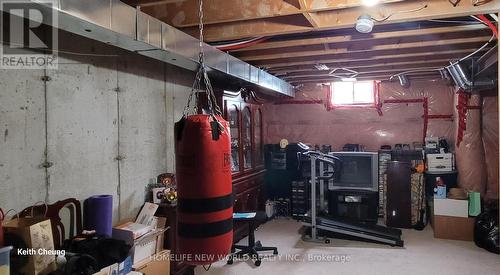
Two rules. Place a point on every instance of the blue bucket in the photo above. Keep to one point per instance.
(5, 260)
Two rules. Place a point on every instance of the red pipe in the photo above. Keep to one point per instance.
(462, 107)
(425, 105)
(426, 117)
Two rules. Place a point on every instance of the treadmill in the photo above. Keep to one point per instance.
(320, 225)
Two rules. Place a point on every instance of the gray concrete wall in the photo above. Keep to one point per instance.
(94, 107)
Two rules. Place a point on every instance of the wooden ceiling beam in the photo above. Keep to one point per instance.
(388, 52)
(355, 47)
(357, 66)
(378, 69)
(185, 14)
(333, 63)
(223, 11)
(145, 3)
(363, 64)
(304, 6)
(344, 18)
(376, 76)
(361, 38)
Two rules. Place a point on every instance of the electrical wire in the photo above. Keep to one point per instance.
(476, 51)
(480, 18)
(454, 21)
(398, 12)
(429, 69)
(494, 16)
(488, 22)
(235, 45)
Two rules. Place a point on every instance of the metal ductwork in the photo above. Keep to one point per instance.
(464, 79)
(115, 23)
(404, 81)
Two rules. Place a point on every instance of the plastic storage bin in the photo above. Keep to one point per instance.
(5, 260)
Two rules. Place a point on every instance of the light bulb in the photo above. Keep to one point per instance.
(370, 3)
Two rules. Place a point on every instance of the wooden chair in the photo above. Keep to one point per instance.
(52, 212)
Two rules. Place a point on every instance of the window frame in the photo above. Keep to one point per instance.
(374, 104)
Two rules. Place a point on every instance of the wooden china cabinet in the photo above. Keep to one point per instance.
(243, 111)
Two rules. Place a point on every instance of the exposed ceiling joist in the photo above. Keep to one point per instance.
(374, 76)
(304, 7)
(361, 38)
(374, 69)
(222, 11)
(374, 60)
(367, 55)
(343, 18)
(150, 3)
(354, 47)
(360, 65)
(365, 64)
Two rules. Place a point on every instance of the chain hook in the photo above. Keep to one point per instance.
(213, 107)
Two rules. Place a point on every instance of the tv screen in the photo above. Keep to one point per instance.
(359, 171)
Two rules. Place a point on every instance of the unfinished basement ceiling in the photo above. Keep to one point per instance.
(295, 36)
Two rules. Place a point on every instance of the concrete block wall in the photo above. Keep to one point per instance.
(99, 104)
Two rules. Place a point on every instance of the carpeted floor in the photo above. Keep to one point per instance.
(422, 254)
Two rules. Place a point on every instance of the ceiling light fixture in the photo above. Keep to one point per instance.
(370, 3)
(364, 24)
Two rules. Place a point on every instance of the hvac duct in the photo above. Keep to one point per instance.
(404, 81)
(115, 23)
(463, 78)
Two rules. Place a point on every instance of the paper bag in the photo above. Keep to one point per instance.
(36, 232)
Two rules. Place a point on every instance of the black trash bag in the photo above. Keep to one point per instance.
(486, 231)
(91, 254)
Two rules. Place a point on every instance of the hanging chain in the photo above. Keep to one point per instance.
(213, 107)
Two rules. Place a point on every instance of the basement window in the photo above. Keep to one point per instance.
(353, 94)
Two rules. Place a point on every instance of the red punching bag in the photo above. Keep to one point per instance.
(203, 175)
(204, 188)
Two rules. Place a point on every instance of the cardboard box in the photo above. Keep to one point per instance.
(137, 229)
(122, 268)
(440, 162)
(158, 264)
(146, 245)
(452, 208)
(453, 228)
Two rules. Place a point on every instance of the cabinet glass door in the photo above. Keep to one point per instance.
(247, 138)
(258, 137)
(234, 124)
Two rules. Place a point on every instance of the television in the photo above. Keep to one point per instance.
(358, 171)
